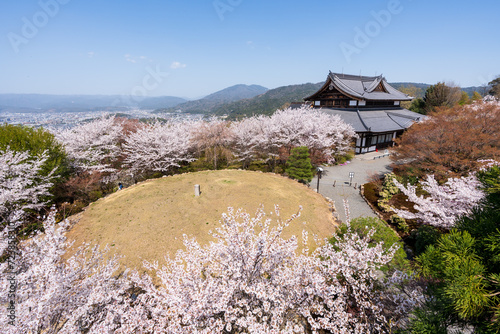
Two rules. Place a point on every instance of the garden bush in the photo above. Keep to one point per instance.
(298, 165)
(384, 233)
(389, 189)
(400, 223)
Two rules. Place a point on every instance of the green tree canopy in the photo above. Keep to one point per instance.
(476, 96)
(441, 95)
(464, 99)
(36, 141)
(413, 91)
(418, 105)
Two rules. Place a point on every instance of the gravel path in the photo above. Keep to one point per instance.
(363, 166)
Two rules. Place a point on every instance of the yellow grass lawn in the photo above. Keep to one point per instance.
(147, 221)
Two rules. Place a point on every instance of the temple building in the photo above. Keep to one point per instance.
(369, 104)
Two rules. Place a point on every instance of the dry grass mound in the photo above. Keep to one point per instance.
(147, 221)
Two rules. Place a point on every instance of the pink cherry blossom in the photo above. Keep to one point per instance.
(93, 146)
(158, 147)
(444, 203)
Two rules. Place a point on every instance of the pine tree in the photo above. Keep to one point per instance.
(298, 165)
(463, 270)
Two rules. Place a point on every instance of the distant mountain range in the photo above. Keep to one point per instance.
(213, 101)
(281, 97)
(233, 102)
(75, 103)
(259, 100)
(268, 102)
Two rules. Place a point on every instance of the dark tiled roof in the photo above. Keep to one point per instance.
(363, 87)
(377, 120)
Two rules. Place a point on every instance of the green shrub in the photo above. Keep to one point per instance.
(95, 195)
(200, 164)
(278, 170)
(383, 233)
(403, 227)
(490, 179)
(426, 235)
(460, 277)
(349, 156)
(431, 318)
(298, 165)
(258, 165)
(234, 165)
(389, 189)
(400, 222)
(340, 159)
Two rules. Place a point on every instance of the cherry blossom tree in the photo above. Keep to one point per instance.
(158, 147)
(22, 188)
(320, 132)
(248, 139)
(93, 146)
(487, 164)
(249, 280)
(47, 294)
(324, 135)
(21, 185)
(444, 203)
(252, 280)
(213, 137)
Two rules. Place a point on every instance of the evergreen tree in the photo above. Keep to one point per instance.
(418, 106)
(298, 165)
(476, 96)
(495, 87)
(441, 95)
(463, 270)
(464, 99)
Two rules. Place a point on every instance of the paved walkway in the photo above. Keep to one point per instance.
(363, 166)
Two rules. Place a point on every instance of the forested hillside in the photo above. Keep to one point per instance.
(268, 102)
(211, 102)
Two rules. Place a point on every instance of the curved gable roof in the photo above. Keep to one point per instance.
(362, 87)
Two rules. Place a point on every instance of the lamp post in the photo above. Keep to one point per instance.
(319, 170)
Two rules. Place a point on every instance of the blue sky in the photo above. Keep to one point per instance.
(193, 48)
